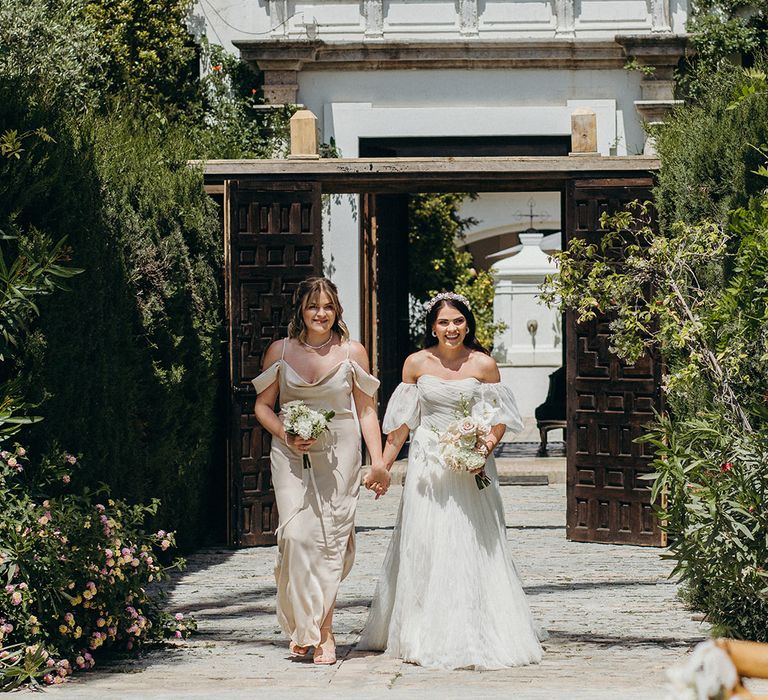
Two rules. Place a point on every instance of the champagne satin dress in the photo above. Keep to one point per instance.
(316, 535)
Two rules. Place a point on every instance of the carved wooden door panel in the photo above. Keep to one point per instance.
(609, 403)
(273, 242)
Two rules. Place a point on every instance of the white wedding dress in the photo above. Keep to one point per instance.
(449, 595)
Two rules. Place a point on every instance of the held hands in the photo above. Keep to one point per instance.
(377, 479)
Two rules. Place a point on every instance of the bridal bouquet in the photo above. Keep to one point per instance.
(462, 444)
(304, 422)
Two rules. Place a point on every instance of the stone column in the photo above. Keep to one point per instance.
(281, 87)
(660, 18)
(565, 15)
(468, 19)
(373, 11)
(278, 17)
(660, 55)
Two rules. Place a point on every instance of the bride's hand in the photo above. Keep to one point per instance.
(299, 444)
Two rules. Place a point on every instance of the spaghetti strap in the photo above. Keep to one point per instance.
(282, 354)
(349, 347)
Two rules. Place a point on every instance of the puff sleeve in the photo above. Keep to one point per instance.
(402, 409)
(266, 378)
(367, 383)
(501, 398)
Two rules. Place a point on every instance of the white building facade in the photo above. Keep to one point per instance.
(420, 70)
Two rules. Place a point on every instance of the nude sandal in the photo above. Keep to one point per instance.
(323, 659)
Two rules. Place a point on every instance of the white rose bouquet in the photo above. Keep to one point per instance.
(304, 422)
(462, 444)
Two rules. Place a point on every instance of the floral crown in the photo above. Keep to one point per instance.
(443, 296)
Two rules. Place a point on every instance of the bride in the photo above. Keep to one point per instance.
(449, 595)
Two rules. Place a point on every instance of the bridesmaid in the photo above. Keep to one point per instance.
(317, 364)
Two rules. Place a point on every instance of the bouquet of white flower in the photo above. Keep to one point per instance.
(462, 444)
(304, 422)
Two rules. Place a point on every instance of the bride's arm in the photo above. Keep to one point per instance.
(489, 373)
(396, 439)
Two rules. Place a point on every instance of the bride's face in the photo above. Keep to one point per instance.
(319, 314)
(450, 327)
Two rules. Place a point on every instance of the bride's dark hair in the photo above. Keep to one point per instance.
(469, 339)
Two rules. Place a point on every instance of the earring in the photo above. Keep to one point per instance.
(434, 335)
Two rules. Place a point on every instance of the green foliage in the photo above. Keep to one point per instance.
(236, 122)
(146, 49)
(436, 263)
(74, 573)
(140, 333)
(698, 293)
(715, 485)
(722, 33)
(707, 149)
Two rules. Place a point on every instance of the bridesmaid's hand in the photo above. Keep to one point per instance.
(299, 444)
(377, 479)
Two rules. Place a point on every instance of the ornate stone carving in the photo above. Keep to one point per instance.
(660, 20)
(278, 17)
(468, 22)
(565, 14)
(373, 11)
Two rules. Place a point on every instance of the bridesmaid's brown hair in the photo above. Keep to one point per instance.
(306, 292)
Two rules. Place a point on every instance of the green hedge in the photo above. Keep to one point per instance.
(126, 366)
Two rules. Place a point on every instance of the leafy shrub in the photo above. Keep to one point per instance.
(74, 572)
(699, 295)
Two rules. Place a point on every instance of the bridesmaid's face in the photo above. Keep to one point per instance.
(319, 314)
(450, 326)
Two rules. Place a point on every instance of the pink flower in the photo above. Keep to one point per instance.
(16, 598)
(179, 616)
(161, 534)
(100, 508)
(23, 586)
(10, 588)
(20, 451)
(177, 634)
(48, 678)
(12, 462)
(108, 553)
(165, 544)
(726, 466)
(71, 459)
(66, 478)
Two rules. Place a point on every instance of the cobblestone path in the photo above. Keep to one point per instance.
(614, 621)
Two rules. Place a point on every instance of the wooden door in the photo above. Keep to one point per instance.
(273, 241)
(609, 403)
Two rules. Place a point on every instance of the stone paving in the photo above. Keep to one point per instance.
(614, 620)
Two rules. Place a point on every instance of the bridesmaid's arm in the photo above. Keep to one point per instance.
(366, 408)
(265, 401)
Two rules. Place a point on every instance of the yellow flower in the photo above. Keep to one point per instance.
(78, 632)
(87, 594)
(63, 629)
(77, 600)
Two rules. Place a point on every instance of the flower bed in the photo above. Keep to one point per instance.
(74, 571)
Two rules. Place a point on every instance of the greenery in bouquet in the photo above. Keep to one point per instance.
(78, 574)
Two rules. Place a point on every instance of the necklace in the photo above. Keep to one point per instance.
(318, 347)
